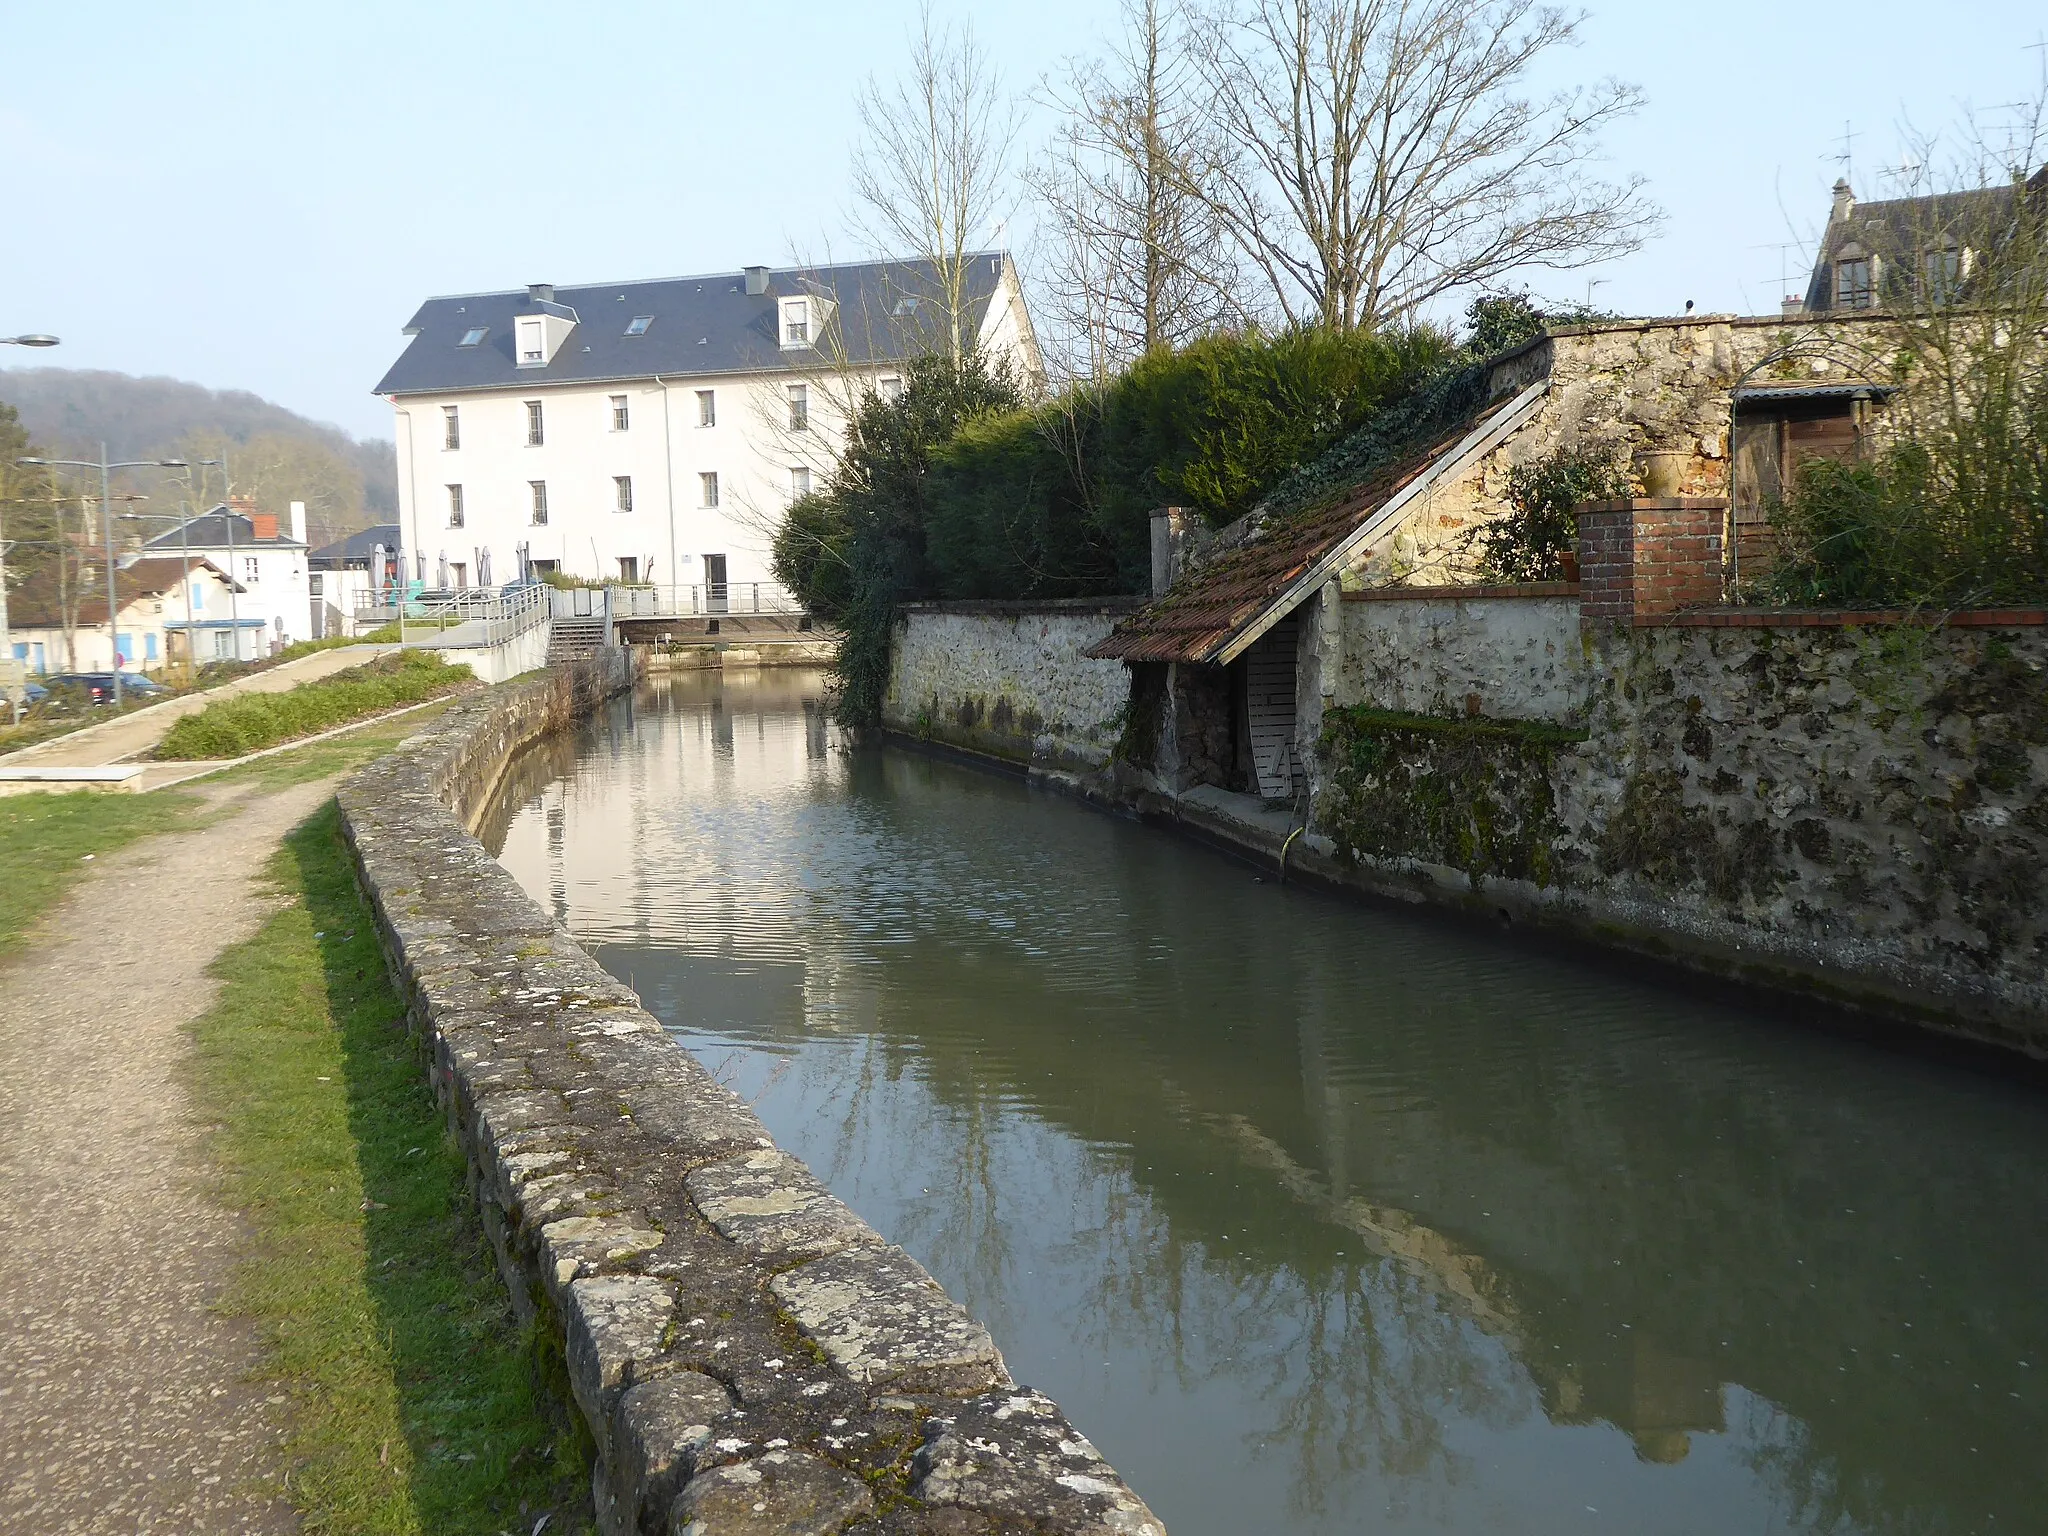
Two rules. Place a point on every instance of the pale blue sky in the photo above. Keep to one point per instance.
(257, 195)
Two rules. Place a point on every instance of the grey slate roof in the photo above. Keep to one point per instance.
(1896, 229)
(702, 325)
(210, 531)
(355, 549)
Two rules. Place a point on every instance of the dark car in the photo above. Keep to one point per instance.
(32, 694)
(99, 686)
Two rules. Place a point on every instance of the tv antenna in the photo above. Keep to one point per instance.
(1846, 156)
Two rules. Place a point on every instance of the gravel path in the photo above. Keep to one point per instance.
(125, 1403)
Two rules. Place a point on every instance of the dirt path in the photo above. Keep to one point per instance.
(118, 739)
(124, 1400)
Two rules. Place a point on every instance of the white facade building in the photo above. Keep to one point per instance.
(165, 605)
(270, 606)
(654, 432)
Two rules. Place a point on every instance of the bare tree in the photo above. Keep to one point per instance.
(932, 171)
(1136, 260)
(1382, 153)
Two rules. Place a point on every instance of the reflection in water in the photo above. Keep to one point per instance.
(1300, 1207)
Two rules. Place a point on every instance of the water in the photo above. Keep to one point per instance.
(1317, 1218)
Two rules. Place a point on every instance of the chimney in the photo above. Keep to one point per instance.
(1169, 546)
(1845, 202)
(540, 293)
(245, 505)
(264, 525)
(757, 280)
(299, 522)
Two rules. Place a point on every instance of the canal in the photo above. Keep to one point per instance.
(1319, 1218)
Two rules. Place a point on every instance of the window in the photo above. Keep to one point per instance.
(800, 480)
(709, 481)
(451, 427)
(799, 407)
(892, 388)
(1852, 283)
(149, 647)
(638, 325)
(629, 570)
(474, 335)
(621, 417)
(535, 436)
(223, 643)
(1942, 273)
(796, 323)
(707, 407)
(248, 570)
(624, 486)
(454, 508)
(540, 502)
(198, 598)
(906, 305)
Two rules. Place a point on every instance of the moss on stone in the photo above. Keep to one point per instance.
(1475, 794)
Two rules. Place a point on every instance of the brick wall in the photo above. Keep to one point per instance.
(1644, 559)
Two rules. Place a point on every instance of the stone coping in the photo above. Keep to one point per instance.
(1844, 618)
(1021, 606)
(1459, 594)
(747, 1354)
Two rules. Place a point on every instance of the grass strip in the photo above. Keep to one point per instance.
(48, 840)
(250, 722)
(418, 1403)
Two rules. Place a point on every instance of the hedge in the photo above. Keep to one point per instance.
(252, 721)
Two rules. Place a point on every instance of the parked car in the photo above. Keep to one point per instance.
(32, 694)
(98, 687)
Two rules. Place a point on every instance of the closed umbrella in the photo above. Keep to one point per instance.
(441, 580)
(483, 566)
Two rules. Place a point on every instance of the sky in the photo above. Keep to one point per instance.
(257, 196)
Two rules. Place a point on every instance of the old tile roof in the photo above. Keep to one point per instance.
(1261, 573)
(211, 530)
(701, 325)
(35, 606)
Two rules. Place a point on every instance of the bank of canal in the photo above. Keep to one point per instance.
(1319, 1218)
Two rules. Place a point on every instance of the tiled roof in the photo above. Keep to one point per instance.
(210, 531)
(356, 548)
(701, 325)
(35, 606)
(1227, 600)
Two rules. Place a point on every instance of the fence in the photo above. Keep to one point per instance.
(704, 600)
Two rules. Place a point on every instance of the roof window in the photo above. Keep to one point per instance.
(639, 324)
(473, 335)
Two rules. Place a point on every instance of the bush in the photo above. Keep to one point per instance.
(1530, 543)
(252, 721)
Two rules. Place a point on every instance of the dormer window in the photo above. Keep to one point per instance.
(1942, 272)
(537, 338)
(1853, 288)
(796, 322)
(637, 326)
(533, 344)
(474, 335)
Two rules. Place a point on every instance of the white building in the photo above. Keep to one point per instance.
(653, 432)
(270, 606)
(352, 574)
(164, 605)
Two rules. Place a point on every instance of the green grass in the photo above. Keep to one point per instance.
(336, 755)
(48, 840)
(418, 1405)
(252, 721)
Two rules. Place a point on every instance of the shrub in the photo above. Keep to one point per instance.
(252, 721)
(1530, 543)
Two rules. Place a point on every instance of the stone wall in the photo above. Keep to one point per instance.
(1854, 811)
(747, 1354)
(1007, 679)
(1512, 653)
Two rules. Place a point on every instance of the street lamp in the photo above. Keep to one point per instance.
(107, 521)
(228, 522)
(30, 339)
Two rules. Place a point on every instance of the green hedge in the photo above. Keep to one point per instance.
(252, 721)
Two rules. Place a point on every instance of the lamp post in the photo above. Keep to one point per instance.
(106, 470)
(8, 671)
(228, 522)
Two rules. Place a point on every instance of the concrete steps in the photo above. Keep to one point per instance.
(572, 638)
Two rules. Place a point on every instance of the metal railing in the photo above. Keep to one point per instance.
(430, 618)
(704, 600)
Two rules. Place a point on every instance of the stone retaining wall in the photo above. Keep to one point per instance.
(1008, 680)
(1514, 653)
(748, 1355)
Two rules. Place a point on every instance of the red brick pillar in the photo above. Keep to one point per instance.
(1640, 560)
